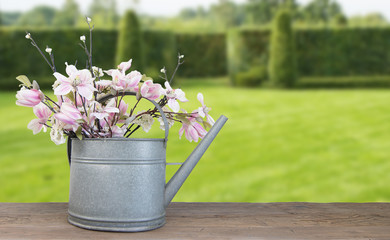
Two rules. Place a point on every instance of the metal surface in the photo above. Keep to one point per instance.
(118, 184)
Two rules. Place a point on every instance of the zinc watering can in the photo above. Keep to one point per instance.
(118, 184)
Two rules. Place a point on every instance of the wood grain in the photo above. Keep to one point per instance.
(213, 221)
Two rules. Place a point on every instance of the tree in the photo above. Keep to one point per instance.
(321, 11)
(263, 11)
(369, 20)
(103, 13)
(130, 41)
(227, 13)
(10, 18)
(282, 62)
(68, 16)
(39, 16)
(188, 13)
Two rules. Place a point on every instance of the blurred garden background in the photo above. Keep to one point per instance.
(305, 85)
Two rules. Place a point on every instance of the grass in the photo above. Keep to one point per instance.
(278, 145)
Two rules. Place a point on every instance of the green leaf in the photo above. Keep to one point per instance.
(78, 134)
(145, 78)
(206, 125)
(70, 95)
(24, 80)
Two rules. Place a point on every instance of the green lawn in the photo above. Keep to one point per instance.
(278, 145)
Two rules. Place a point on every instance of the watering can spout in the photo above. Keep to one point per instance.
(181, 175)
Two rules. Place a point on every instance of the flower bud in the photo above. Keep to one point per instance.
(181, 56)
(163, 70)
(35, 85)
(48, 50)
(28, 36)
(29, 97)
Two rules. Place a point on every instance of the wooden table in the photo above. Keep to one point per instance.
(213, 221)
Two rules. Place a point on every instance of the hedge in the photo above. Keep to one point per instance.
(160, 51)
(130, 41)
(282, 62)
(319, 52)
(205, 54)
(246, 49)
(343, 52)
(18, 56)
(344, 82)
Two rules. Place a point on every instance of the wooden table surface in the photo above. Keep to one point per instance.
(213, 221)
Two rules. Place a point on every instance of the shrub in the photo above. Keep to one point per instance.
(205, 55)
(344, 82)
(130, 41)
(18, 57)
(160, 51)
(246, 49)
(251, 78)
(282, 63)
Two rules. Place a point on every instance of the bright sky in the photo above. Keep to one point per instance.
(169, 7)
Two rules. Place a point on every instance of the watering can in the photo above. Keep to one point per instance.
(118, 184)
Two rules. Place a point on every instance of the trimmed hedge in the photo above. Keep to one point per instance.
(130, 41)
(282, 62)
(319, 52)
(160, 50)
(205, 55)
(343, 52)
(18, 56)
(344, 82)
(246, 49)
(252, 78)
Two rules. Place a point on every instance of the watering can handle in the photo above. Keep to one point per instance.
(109, 96)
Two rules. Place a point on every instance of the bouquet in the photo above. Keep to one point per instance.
(80, 108)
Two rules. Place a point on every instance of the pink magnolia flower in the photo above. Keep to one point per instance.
(43, 114)
(173, 95)
(103, 84)
(80, 81)
(204, 111)
(124, 66)
(193, 130)
(68, 114)
(101, 112)
(122, 82)
(29, 97)
(118, 132)
(150, 90)
(123, 115)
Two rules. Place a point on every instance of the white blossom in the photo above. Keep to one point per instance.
(56, 132)
(145, 121)
(163, 70)
(28, 35)
(82, 38)
(48, 50)
(89, 20)
(98, 72)
(181, 56)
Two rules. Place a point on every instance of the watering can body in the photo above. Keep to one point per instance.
(118, 184)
